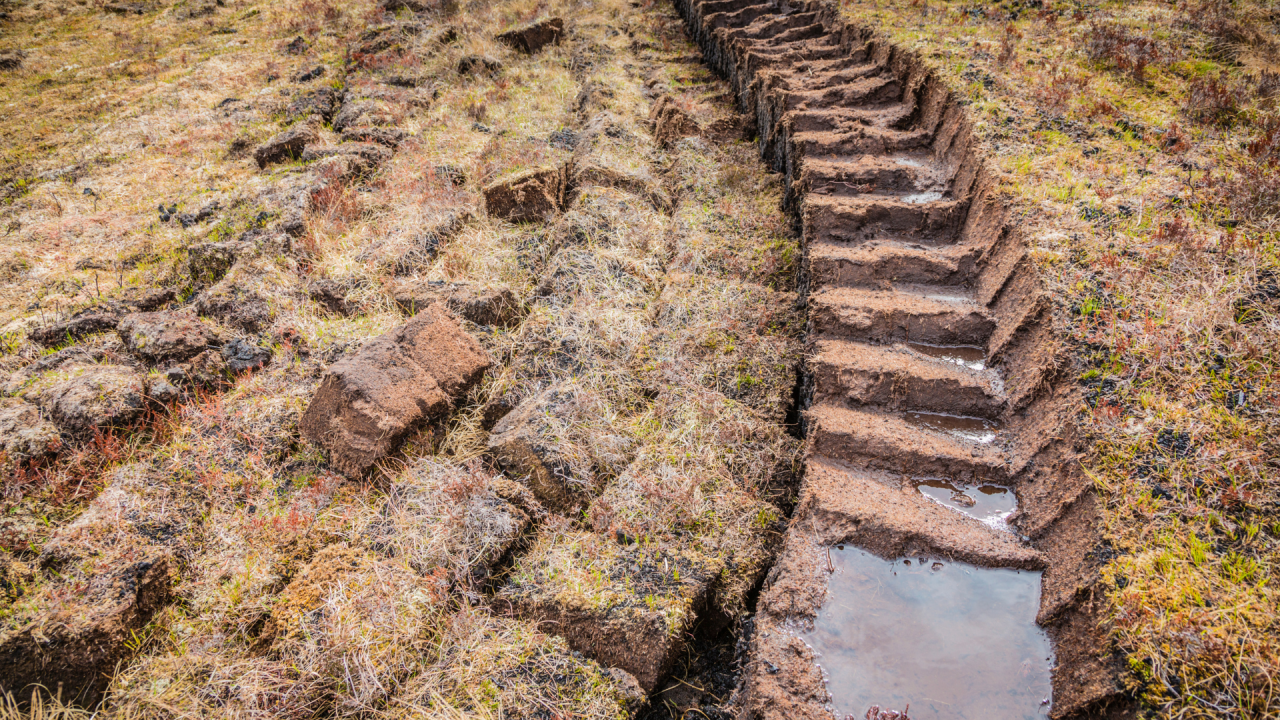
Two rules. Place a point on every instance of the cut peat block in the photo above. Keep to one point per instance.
(626, 602)
(381, 594)
(96, 584)
(562, 445)
(371, 399)
(738, 338)
(709, 472)
(487, 662)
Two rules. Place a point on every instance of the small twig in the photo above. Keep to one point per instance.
(830, 568)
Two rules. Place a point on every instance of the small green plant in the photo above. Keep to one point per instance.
(10, 342)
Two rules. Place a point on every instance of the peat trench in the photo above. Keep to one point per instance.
(942, 556)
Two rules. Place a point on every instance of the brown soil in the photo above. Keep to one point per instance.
(906, 242)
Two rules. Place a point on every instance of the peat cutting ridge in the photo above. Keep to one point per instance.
(934, 368)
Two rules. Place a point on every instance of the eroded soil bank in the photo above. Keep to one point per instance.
(911, 265)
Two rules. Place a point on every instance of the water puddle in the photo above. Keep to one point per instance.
(920, 198)
(973, 429)
(939, 295)
(970, 356)
(991, 504)
(955, 642)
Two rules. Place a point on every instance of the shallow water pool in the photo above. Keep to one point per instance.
(952, 640)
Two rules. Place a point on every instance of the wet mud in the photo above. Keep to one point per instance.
(972, 357)
(937, 402)
(991, 504)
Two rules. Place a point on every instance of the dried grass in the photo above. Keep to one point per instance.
(303, 595)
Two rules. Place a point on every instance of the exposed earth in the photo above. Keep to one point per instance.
(603, 358)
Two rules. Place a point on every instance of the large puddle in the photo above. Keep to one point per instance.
(951, 640)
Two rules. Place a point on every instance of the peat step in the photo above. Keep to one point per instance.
(853, 138)
(848, 119)
(768, 27)
(936, 316)
(876, 261)
(759, 55)
(819, 75)
(858, 219)
(857, 175)
(897, 378)
(882, 441)
(878, 90)
(732, 14)
(893, 518)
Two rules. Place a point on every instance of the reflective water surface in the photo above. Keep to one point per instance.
(953, 641)
(991, 504)
(970, 356)
(969, 428)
